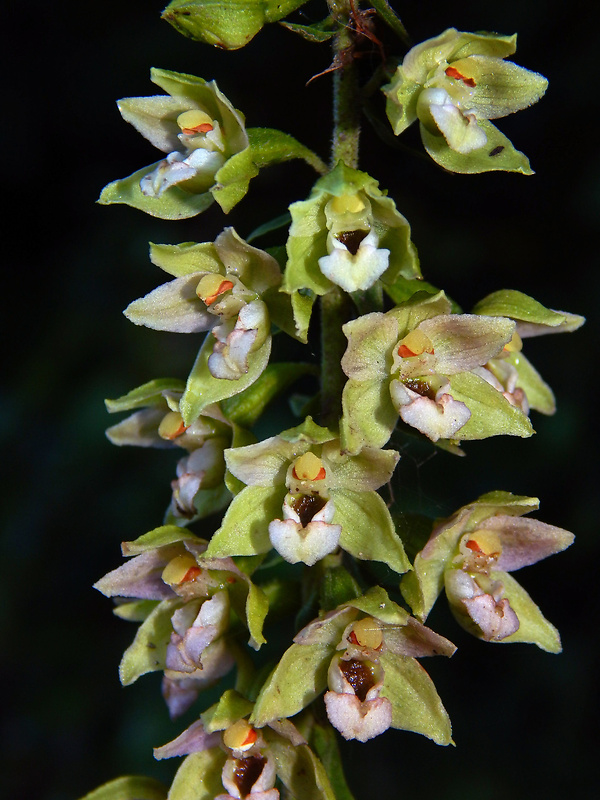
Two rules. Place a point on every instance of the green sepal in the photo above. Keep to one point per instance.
(534, 628)
(202, 388)
(299, 769)
(148, 650)
(302, 305)
(173, 203)
(130, 787)
(244, 531)
(256, 610)
(317, 32)
(421, 587)
(158, 537)
(149, 394)
(300, 675)
(522, 308)
(324, 741)
(199, 776)
(233, 179)
(248, 406)
(491, 413)
(136, 610)
(308, 431)
(498, 153)
(186, 258)
(271, 146)
(231, 707)
(368, 531)
(228, 24)
(369, 416)
(416, 705)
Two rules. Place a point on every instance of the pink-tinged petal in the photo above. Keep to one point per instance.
(320, 630)
(526, 541)
(493, 617)
(140, 577)
(416, 640)
(287, 729)
(173, 306)
(356, 720)
(308, 545)
(179, 694)
(193, 740)
(496, 618)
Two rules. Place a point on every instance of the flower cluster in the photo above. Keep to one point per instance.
(298, 522)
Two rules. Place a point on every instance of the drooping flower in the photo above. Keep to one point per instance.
(454, 84)
(183, 600)
(510, 371)
(305, 497)
(421, 363)
(208, 155)
(199, 488)
(364, 653)
(471, 555)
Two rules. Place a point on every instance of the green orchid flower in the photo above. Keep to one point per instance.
(208, 154)
(471, 554)
(363, 655)
(454, 84)
(305, 497)
(348, 234)
(183, 600)
(511, 372)
(420, 363)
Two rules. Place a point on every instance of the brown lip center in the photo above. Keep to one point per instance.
(352, 239)
(359, 676)
(306, 506)
(246, 772)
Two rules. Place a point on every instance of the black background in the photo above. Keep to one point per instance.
(524, 721)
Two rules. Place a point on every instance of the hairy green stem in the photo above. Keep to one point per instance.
(346, 104)
(336, 307)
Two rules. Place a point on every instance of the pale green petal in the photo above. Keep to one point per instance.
(155, 118)
(491, 413)
(185, 259)
(199, 776)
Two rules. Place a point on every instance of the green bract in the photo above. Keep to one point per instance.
(454, 84)
(422, 363)
(226, 23)
(471, 554)
(305, 497)
(208, 159)
(348, 233)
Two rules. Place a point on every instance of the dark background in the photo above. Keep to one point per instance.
(524, 720)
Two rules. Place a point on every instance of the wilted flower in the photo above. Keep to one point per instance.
(183, 600)
(470, 555)
(201, 132)
(156, 421)
(454, 84)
